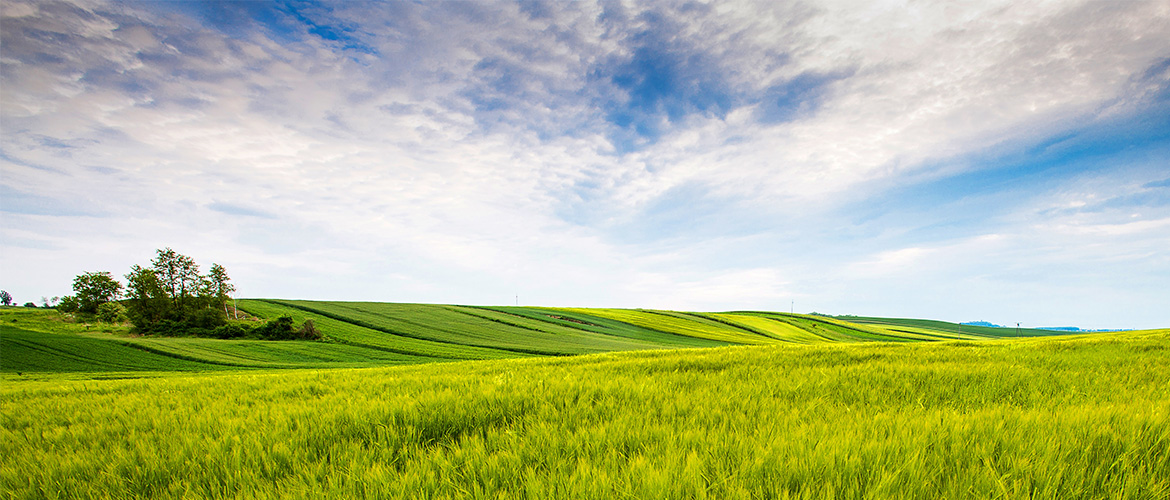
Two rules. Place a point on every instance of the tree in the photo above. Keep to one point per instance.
(171, 295)
(68, 304)
(219, 287)
(94, 289)
(5, 298)
(177, 273)
(111, 312)
(146, 297)
(179, 277)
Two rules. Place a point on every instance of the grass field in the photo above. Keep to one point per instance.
(368, 334)
(1065, 417)
(435, 401)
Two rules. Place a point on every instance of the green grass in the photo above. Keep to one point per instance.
(51, 321)
(365, 334)
(604, 326)
(1063, 417)
(669, 322)
(26, 351)
(954, 328)
(470, 327)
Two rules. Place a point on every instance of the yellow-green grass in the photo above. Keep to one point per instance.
(604, 326)
(360, 334)
(834, 330)
(665, 321)
(342, 328)
(778, 330)
(472, 327)
(23, 351)
(1067, 417)
(926, 333)
(953, 328)
(50, 321)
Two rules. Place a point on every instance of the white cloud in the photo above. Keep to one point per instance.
(474, 151)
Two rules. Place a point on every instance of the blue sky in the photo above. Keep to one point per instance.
(997, 161)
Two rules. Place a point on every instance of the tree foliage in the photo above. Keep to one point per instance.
(93, 289)
(5, 298)
(68, 304)
(172, 292)
(172, 298)
(111, 312)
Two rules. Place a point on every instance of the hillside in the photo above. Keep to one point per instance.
(1081, 417)
(368, 334)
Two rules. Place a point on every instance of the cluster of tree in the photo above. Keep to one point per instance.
(281, 328)
(172, 298)
(172, 295)
(7, 300)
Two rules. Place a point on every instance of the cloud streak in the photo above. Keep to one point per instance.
(625, 154)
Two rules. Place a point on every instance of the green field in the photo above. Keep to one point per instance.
(368, 334)
(372, 334)
(507, 402)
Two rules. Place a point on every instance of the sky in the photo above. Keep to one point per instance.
(995, 160)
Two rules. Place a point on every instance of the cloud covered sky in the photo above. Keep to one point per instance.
(994, 160)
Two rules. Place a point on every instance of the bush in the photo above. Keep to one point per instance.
(308, 331)
(111, 312)
(166, 328)
(231, 331)
(208, 319)
(69, 304)
(277, 329)
(282, 329)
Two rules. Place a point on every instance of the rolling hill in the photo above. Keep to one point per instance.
(368, 334)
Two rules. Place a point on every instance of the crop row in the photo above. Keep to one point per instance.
(1066, 417)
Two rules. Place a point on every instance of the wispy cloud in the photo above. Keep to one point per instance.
(635, 154)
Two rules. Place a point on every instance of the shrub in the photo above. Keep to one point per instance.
(231, 331)
(208, 319)
(111, 312)
(277, 329)
(308, 331)
(282, 329)
(69, 304)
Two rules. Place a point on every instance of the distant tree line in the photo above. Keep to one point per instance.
(7, 300)
(172, 298)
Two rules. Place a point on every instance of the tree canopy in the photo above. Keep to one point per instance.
(172, 292)
(171, 298)
(90, 291)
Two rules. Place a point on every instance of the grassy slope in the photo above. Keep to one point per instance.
(1061, 417)
(955, 328)
(604, 326)
(378, 334)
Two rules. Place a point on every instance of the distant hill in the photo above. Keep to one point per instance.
(366, 334)
(1074, 329)
(982, 323)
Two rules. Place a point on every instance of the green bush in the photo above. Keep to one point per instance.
(282, 328)
(231, 331)
(207, 319)
(277, 329)
(111, 312)
(308, 331)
